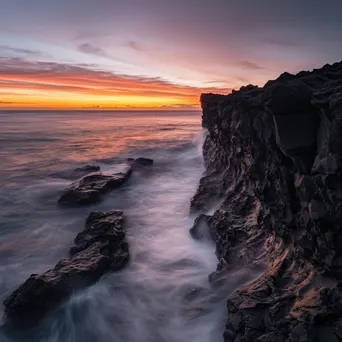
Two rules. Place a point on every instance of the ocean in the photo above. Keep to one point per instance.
(146, 301)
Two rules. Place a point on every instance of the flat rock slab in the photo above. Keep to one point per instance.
(99, 249)
(91, 188)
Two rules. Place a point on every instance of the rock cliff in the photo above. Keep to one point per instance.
(273, 160)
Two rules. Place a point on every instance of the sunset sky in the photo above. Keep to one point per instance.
(156, 53)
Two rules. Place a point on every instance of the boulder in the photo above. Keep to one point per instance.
(91, 188)
(100, 248)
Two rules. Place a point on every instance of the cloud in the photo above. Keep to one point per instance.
(282, 41)
(204, 38)
(9, 103)
(65, 81)
(213, 82)
(20, 51)
(250, 65)
(135, 46)
(92, 50)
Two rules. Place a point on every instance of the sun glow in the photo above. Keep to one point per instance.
(25, 84)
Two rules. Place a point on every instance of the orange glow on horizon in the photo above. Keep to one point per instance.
(75, 101)
(56, 86)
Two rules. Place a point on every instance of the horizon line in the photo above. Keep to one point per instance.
(97, 110)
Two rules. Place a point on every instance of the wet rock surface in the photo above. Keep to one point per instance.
(91, 188)
(100, 248)
(274, 159)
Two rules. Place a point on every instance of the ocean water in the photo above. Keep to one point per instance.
(149, 300)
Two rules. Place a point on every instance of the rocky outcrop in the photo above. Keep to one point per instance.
(91, 188)
(273, 160)
(101, 247)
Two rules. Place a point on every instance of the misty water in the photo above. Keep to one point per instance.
(164, 293)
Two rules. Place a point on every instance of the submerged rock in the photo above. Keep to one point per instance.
(100, 248)
(91, 188)
(88, 169)
(274, 160)
(140, 162)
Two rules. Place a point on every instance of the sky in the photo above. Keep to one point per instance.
(160, 54)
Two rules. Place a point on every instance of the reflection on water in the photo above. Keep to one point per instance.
(33, 143)
(163, 295)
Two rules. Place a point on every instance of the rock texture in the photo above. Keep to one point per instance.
(274, 160)
(100, 248)
(91, 188)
